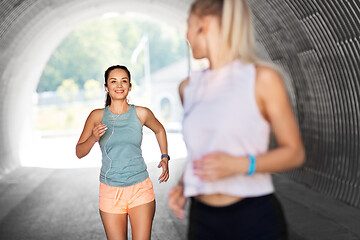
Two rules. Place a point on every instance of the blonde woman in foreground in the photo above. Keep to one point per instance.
(229, 110)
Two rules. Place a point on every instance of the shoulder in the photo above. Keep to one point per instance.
(269, 87)
(142, 110)
(267, 76)
(96, 114)
(143, 113)
(182, 85)
(268, 82)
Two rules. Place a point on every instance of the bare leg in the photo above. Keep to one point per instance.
(115, 225)
(141, 218)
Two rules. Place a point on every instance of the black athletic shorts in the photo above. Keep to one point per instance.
(259, 218)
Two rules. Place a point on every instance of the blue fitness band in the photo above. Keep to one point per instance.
(165, 156)
(252, 165)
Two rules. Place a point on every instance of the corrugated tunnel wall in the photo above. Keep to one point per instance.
(316, 43)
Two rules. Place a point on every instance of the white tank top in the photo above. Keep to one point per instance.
(221, 114)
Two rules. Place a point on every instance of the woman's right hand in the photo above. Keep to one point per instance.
(98, 131)
(177, 201)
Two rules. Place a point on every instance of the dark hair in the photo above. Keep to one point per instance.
(106, 75)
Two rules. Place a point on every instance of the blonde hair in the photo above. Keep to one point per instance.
(237, 33)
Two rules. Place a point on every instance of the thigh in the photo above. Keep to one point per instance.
(203, 222)
(115, 225)
(112, 199)
(140, 193)
(262, 219)
(141, 218)
(259, 218)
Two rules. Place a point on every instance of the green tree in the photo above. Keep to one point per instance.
(87, 51)
(92, 88)
(68, 90)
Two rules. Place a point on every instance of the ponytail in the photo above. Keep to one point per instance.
(237, 33)
(108, 99)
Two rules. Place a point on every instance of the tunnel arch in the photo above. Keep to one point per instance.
(315, 42)
(27, 42)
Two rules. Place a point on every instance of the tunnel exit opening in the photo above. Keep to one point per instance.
(61, 104)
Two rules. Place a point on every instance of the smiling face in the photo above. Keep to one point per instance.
(118, 84)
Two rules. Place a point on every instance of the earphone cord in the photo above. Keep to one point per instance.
(112, 132)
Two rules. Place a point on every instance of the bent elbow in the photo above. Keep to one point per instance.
(300, 156)
(77, 153)
(161, 132)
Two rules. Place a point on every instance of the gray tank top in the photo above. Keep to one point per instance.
(122, 161)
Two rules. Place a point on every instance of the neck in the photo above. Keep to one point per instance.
(216, 59)
(118, 106)
(217, 62)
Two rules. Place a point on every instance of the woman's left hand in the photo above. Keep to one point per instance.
(218, 165)
(165, 173)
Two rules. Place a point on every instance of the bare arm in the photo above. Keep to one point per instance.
(181, 89)
(177, 200)
(148, 119)
(275, 107)
(91, 133)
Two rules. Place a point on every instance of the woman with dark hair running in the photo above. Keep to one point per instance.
(125, 186)
(229, 110)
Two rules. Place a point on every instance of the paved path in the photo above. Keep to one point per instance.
(39, 204)
(313, 216)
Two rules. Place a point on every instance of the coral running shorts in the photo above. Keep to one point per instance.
(121, 199)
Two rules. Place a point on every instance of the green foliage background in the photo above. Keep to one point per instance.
(99, 43)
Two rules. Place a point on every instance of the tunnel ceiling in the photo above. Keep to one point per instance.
(315, 42)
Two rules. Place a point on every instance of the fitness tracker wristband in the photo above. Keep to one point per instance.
(252, 165)
(165, 156)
